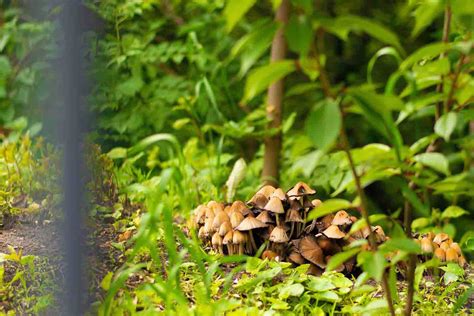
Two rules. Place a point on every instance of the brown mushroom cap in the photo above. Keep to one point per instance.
(334, 232)
(228, 238)
(215, 206)
(240, 206)
(294, 216)
(325, 222)
(225, 228)
(315, 270)
(236, 218)
(440, 254)
(258, 200)
(439, 238)
(279, 194)
(379, 234)
(279, 235)
(462, 261)
(270, 255)
(296, 257)
(266, 190)
(216, 240)
(274, 205)
(456, 247)
(444, 245)
(250, 223)
(426, 245)
(199, 214)
(219, 219)
(265, 217)
(300, 189)
(239, 237)
(295, 205)
(341, 218)
(311, 251)
(329, 246)
(316, 202)
(202, 233)
(451, 255)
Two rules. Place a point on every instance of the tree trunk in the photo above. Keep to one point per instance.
(270, 174)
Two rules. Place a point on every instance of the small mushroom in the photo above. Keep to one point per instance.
(426, 245)
(456, 247)
(325, 222)
(217, 243)
(265, 217)
(249, 224)
(219, 218)
(379, 234)
(199, 214)
(274, 205)
(279, 194)
(202, 233)
(316, 202)
(440, 254)
(228, 241)
(333, 232)
(296, 258)
(225, 228)
(294, 217)
(439, 238)
(451, 255)
(258, 200)
(444, 245)
(215, 206)
(315, 270)
(341, 218)
(236, 218)
(462, 261)
(278, 236)
(300, 189)
(240, 206)
(239, 239)
(329, 246)
(266, 190)
(311, 251)
(270, 255)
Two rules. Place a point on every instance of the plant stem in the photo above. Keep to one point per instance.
(445, 39)
(270, 172)
(365, 214)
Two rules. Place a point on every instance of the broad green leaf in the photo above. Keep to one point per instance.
(291, 290)
(260, 78)
(328, 207)
(421, 222)
(385, 51)
(235, 10)
(445, 125)
(324, 123)
(117, 153)
(453, 211)
(235, 177)
(310, 67)
(105, 283)
(373, 263)
(436, 161)
(373, 28)
(404, 244)
(425, 13)
(299, 34)
(340, 258)
(131, 86)
(253, 45)
(320, 285)
(328, 296)
(5, 67)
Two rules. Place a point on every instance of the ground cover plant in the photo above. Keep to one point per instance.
(367, 106)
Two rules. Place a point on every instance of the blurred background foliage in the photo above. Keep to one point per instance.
(178, 100)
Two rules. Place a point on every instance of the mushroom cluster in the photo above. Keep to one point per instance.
(278, 220)
(442, 247)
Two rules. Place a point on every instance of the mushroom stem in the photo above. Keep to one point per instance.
(221, 249)
(252, 241)
(229, 249)
(292, 228)
(241, 249)
(277, 220)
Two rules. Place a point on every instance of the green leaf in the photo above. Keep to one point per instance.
(5, 67)
(328, 207)
(404, 244)
(324, 123)
(310, 67)
(421, 222)
(436, 161)
(117, 153)
(453, 211)
(260, 78)
(425, 13)
(374, 29)
(340, 258)
(131, 86)
(291, 290)
(105, 283)
(299, 34)
(373, 263)
(444, 127)
(320, 285)
(235, 10)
